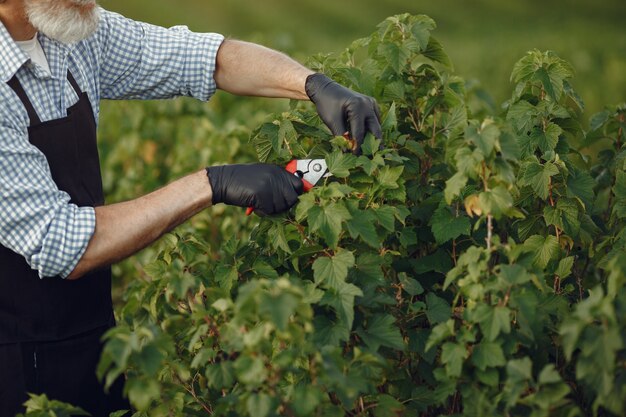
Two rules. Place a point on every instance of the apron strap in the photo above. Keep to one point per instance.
(14, 83)
(75, 85)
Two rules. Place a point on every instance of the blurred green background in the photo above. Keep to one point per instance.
(484, 38)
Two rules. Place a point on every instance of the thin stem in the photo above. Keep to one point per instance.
(454, 251)
(489, 231)
(484, 176)
(413, 121)
(557, 284)
(192, 392)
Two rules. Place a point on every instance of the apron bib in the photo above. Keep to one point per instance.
(50, 328)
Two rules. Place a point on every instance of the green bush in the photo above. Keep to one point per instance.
(468, 264)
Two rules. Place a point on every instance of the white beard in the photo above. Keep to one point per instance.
(66, 21)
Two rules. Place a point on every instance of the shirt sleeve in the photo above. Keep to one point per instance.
(37, 220)
(143, 61)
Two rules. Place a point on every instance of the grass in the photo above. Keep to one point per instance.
(484, 38)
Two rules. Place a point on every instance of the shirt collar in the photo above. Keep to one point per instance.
(11, 56)
(56, 53)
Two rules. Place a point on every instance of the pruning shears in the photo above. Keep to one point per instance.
(310, 171)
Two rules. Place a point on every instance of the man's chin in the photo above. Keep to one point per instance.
(64, 22)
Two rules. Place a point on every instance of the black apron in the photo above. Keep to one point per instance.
(50, 328)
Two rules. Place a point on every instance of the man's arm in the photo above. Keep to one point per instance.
(123, 229)
(249, 69)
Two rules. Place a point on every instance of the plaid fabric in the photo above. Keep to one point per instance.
(124, 59)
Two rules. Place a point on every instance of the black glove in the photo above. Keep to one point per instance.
(340, 107)
(269, 189)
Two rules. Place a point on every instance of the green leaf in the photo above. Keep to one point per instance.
(332, 270)
(393, 91)
(438, 309)
(435, 52)
(390, 120)
(388, 407)
(142, 392)
(340, 163)
(382, 330)
(522, 114)
(259, 405)
(370, 145)
(149, 360)
(362, 225)
(544, 249)
(619, 189)
(329, 333)
(286, 133)
(549, 375)
(306, 399)
(493, 320)
(542, 75)
(547, 139)
(226, 275)
(519, 370)
(342, 300)
(369, 266)
(41, 406)
(386, 216)
(484, 136)
(468, 162)
(580, 184)
(421, 30)
(250, 370)
(453, 355)
(264, 270)
(388, 177)
(565, 267)
(564, 216)
(439, 261)
(495, 201)
(489, 377)
(454, 185)
(488, 354)
(410, 285)
(280, 307)
(538, 177)
(220, 375)
(446, 227)
(599, 119)
(266, 141)
(327, 221)
(395, 55)
(514, 274)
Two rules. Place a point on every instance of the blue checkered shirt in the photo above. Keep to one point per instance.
(124, 59)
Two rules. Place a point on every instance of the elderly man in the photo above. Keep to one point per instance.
(58, 58)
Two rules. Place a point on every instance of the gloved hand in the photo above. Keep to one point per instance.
(343, 110)
(269, 189)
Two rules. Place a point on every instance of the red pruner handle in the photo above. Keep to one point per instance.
(292, 167)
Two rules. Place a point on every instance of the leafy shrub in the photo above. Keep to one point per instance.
(465, 265)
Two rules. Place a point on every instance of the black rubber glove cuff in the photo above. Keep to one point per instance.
(215, 186)
(314, 83)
